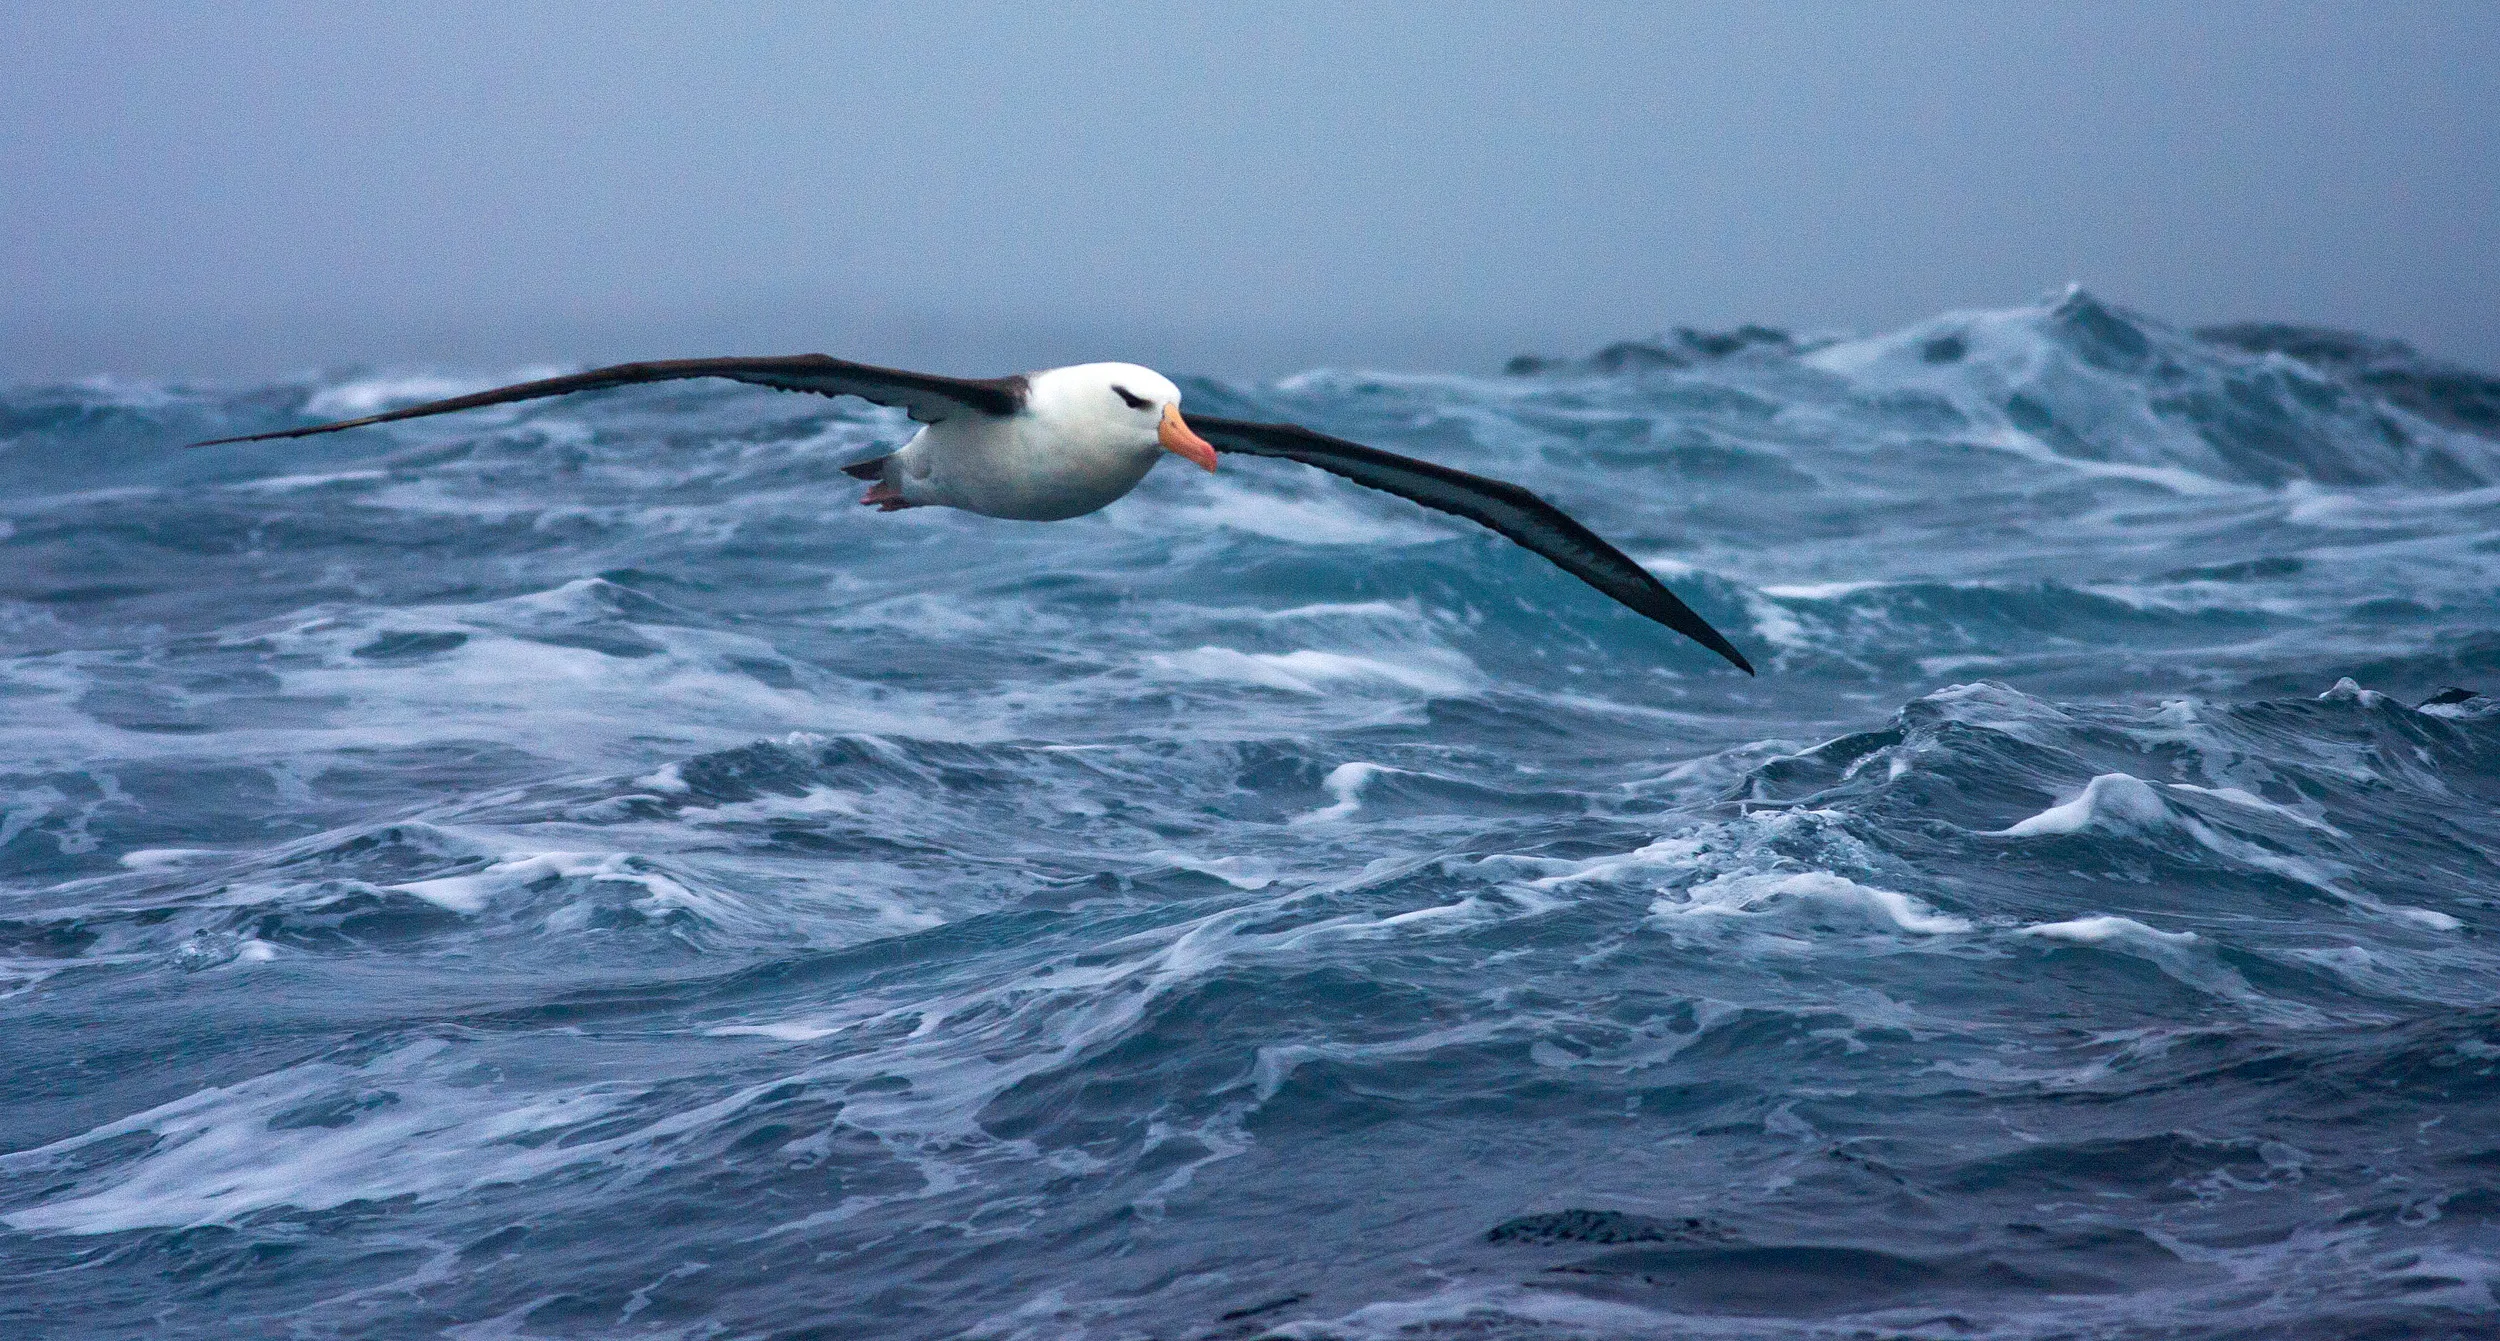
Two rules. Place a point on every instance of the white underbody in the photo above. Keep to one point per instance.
(1085, 436)
(1016, 468)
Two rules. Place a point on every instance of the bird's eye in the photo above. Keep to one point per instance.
(1135, 401)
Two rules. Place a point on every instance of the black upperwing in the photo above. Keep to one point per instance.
(926, 396)
(1506, 508)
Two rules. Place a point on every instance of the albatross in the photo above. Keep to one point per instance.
(1048, 446)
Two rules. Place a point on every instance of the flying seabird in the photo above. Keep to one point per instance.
(1051, 445)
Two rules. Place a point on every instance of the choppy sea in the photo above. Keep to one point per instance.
(567, 871)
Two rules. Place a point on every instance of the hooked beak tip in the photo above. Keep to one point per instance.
(1178, 439)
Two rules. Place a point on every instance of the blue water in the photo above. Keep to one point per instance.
(566, 871)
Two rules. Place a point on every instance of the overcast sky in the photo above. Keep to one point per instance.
(233, 190)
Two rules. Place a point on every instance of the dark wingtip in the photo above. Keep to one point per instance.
(1728, 650)
(1718, 643)
(1665, 607)
(279, 433)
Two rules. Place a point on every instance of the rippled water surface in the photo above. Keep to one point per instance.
(567, 872)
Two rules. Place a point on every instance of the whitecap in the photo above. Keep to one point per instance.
(1666, 854)
(2112, 801)
(1754, 894)
(1435, 672)
(2182, 956)
(147, 858)
(2348, 690)
(2104, 929)
(1344, 782)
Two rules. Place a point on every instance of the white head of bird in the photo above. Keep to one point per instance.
(1117, 405)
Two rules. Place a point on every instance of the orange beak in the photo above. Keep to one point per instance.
(1179, 441)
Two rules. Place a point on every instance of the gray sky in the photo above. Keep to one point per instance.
(234, 190)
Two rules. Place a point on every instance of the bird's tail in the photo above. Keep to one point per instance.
(871, 469)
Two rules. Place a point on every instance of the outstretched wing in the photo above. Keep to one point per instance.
(1514, 512)
(927, 396)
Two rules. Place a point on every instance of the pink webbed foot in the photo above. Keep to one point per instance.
(885, 498)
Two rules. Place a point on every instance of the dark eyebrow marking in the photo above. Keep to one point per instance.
(1135, 401)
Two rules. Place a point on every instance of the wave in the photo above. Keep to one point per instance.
(2082, 381)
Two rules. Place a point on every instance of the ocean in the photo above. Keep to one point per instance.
(568, 871)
